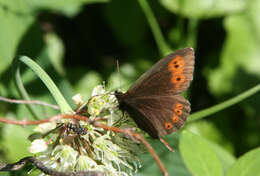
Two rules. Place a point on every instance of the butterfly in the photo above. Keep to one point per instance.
(154, 100)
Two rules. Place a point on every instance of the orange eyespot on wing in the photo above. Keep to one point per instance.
(177, 79)
(175, 119)
(176, 65)
(178, 106)
(178, 111)
(168, 125)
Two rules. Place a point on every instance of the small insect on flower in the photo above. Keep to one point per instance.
(76, 128)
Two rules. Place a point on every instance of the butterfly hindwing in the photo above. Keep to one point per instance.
(163, 115)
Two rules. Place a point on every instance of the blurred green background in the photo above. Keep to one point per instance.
(78, 43)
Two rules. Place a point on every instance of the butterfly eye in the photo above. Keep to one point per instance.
(168, 125)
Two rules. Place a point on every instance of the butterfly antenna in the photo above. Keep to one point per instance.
(118, 70)
(166, 144)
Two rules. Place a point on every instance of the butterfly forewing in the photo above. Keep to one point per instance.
(171, 75)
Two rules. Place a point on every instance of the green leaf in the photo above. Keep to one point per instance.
(226, 158)
(69, 7)
(64, 106)
(199, 156)
(210, 131)
(217, 141)
(14, 140)
(204, 8)
(247, 165)
(15, 21)
(239, 62)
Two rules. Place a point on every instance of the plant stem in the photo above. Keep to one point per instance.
(209, 111)
(192, 33)
(160, 41)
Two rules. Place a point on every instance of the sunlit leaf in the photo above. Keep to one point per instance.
(204, 8)
(199, 157)
(247, 164)
(241, 52)
(15, 143)
(69, 8)
(15, 19)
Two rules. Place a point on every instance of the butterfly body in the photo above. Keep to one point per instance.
(154, 100)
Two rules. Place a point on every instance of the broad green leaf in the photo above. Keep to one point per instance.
(209, 130)
(241, 51)
(198, 155)
(204, 8)
(67, 7)
(226, 158)
(15, 20)
(15, 142)
(247, 165)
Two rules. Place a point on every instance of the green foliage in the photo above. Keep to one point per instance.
(77, 42)
(240, 54)
(250, 160)
(15, 143)
(199, 156)
(173, 160)
(204, 8)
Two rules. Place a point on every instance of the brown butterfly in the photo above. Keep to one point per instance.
(154, 100)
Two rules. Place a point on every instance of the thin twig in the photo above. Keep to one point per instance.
(29, 102)
(37, 122)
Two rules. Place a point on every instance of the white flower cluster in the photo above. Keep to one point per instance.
(97, 150)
